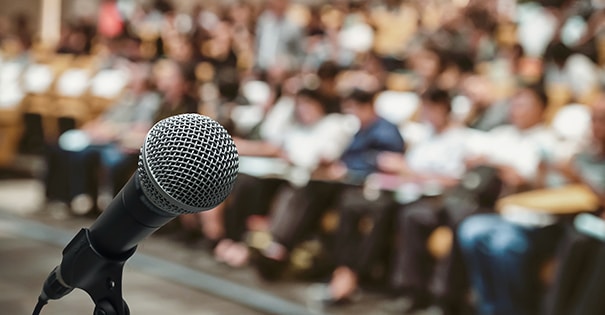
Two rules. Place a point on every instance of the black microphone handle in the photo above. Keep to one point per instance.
(129, 218)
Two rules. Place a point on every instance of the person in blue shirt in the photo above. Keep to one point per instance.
(375, 135)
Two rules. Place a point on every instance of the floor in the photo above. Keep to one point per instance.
(163, 277)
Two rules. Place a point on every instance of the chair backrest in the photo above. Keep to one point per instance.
(11, 93)
(38, 78)
(108, 83)
(397, 107)
(73, 82)
(11, 71)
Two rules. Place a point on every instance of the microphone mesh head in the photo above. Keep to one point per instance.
(188, 164)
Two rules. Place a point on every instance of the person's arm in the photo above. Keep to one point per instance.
(393, 163)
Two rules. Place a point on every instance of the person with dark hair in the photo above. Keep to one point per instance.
(328, 73)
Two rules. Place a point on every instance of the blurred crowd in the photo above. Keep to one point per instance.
(448, 152)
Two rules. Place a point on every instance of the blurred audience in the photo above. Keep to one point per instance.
(478, 90)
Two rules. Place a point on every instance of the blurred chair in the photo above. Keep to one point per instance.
(105, 87)
(11, 93)
(38, 78)
(38, 81)
(11, 96)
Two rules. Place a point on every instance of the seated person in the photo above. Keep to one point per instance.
(504, 253)
(113, 140)
(298, 212)
(310, 136)
(431, 167)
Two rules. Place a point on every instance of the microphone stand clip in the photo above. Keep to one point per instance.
(84, 268)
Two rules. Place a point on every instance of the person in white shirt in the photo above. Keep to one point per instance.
(517, 149)
(309, 137)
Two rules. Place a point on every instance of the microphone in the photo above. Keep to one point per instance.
(187, 164)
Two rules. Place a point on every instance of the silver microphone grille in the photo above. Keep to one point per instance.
(188, 164)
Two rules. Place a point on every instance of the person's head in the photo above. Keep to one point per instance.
(426, 61)
(436, 108)
(598, 121)
(360, 103)
(557, 53)
(327, 73)
(309, 108)
(528, 106)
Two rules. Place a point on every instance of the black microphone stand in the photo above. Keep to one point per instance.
(99, 276)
